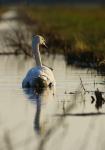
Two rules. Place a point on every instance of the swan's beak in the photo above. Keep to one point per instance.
(45, 45)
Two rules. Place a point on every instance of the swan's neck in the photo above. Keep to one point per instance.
(37, 55)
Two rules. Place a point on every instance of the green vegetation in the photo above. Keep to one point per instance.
(72, 30)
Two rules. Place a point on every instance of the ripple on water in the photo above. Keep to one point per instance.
(18, 114)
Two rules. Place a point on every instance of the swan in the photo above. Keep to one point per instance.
(40, 76)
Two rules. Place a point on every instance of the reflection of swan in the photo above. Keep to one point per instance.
(32, 96)
(40, 76)
(40, 100)
(37, 126)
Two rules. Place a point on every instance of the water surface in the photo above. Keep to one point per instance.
(25, 120)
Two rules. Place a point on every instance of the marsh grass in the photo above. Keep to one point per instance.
(77, 33)
(71, 30)
(86, 25)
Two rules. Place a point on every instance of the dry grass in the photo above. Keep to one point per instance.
(84, 26)
(76, 32)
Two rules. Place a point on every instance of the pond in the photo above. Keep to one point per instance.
(47, 121)
(72, 119)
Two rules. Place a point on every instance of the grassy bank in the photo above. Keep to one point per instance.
(76, 32)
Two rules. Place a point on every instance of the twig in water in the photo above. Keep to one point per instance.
(82, 85)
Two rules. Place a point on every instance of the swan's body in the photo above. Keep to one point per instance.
(40, 76)
(38, 72)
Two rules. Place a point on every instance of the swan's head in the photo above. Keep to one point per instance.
(37, 39)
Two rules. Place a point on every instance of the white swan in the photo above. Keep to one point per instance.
(40, 76)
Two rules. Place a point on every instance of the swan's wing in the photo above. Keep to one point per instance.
(43, 72)
(48, 74)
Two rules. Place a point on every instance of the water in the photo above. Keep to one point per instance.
(37, 122)
(18, 112)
